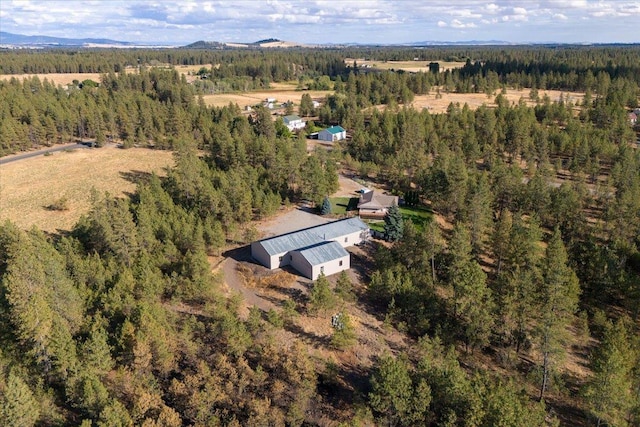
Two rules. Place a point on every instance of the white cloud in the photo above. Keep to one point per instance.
(381, 21)
(519, 11)
(458, 24)
(492, 8)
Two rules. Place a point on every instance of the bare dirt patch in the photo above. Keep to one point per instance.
(28, 186)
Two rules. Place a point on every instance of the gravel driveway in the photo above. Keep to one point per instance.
(293, 220)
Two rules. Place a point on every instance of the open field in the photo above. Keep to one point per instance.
(68, 78)
(28, 186)
(475, 100)
(56, 78)
(410, 66)
(282, 92)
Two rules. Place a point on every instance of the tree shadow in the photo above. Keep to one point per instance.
(345, 386)
(314, 340)
(136, 176)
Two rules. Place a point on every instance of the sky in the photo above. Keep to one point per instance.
(328, 21)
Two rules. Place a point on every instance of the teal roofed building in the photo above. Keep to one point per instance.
(332, 134)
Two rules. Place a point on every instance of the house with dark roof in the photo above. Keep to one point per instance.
(373, 204)
(334, 133)
(293, 122)
(312, 251)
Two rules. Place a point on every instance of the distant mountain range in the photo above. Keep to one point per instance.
(39, 41)
(266, 43)
(44, 41)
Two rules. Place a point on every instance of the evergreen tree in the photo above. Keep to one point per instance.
(306, 105)
(558, 295)
(344, 335)
(610, 392)
(395, 396)
(393, 224)
(321, 297)
(18, 406)
(325, 209)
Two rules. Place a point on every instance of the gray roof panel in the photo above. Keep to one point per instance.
(323, 252)
(312, 235)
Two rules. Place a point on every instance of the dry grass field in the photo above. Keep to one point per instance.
(410, 66)
(282, 92)
(68, 78)
(57, 78)
(475, 100)
(28, 186)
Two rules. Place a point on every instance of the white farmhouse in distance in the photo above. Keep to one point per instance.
(293, 122)
(313, 251)
(334, 133)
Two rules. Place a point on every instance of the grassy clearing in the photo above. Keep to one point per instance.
(411, 66)
(243, 99)
(342, 205)
(419, 215)
(475, 100)
(28, 188)
(68, 78)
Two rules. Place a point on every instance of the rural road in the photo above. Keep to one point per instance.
(27, 155)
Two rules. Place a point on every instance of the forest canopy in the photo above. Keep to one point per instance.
(528, 265)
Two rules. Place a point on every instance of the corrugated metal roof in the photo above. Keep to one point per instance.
(291, 118)
(312, 236)
(335, 129)
(323, 252)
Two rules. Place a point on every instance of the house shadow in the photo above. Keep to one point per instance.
(240, 254)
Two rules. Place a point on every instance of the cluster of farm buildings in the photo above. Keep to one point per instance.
(320, 250)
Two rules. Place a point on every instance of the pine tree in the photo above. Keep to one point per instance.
(325, 209)
(321, 297)
(610, 390)
(393, 224)
(18, 406)
(559, 296)
(395, 396)
(433, 244)
(306, 105)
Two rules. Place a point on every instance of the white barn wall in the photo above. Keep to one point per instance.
(347, 240)
(301, 264)
(260, 254)
(331, 267)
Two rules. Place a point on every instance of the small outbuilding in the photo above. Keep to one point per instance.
(332, 134)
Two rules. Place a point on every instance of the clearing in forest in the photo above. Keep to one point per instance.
(29, 187)
(409, 66)
(281, 92)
